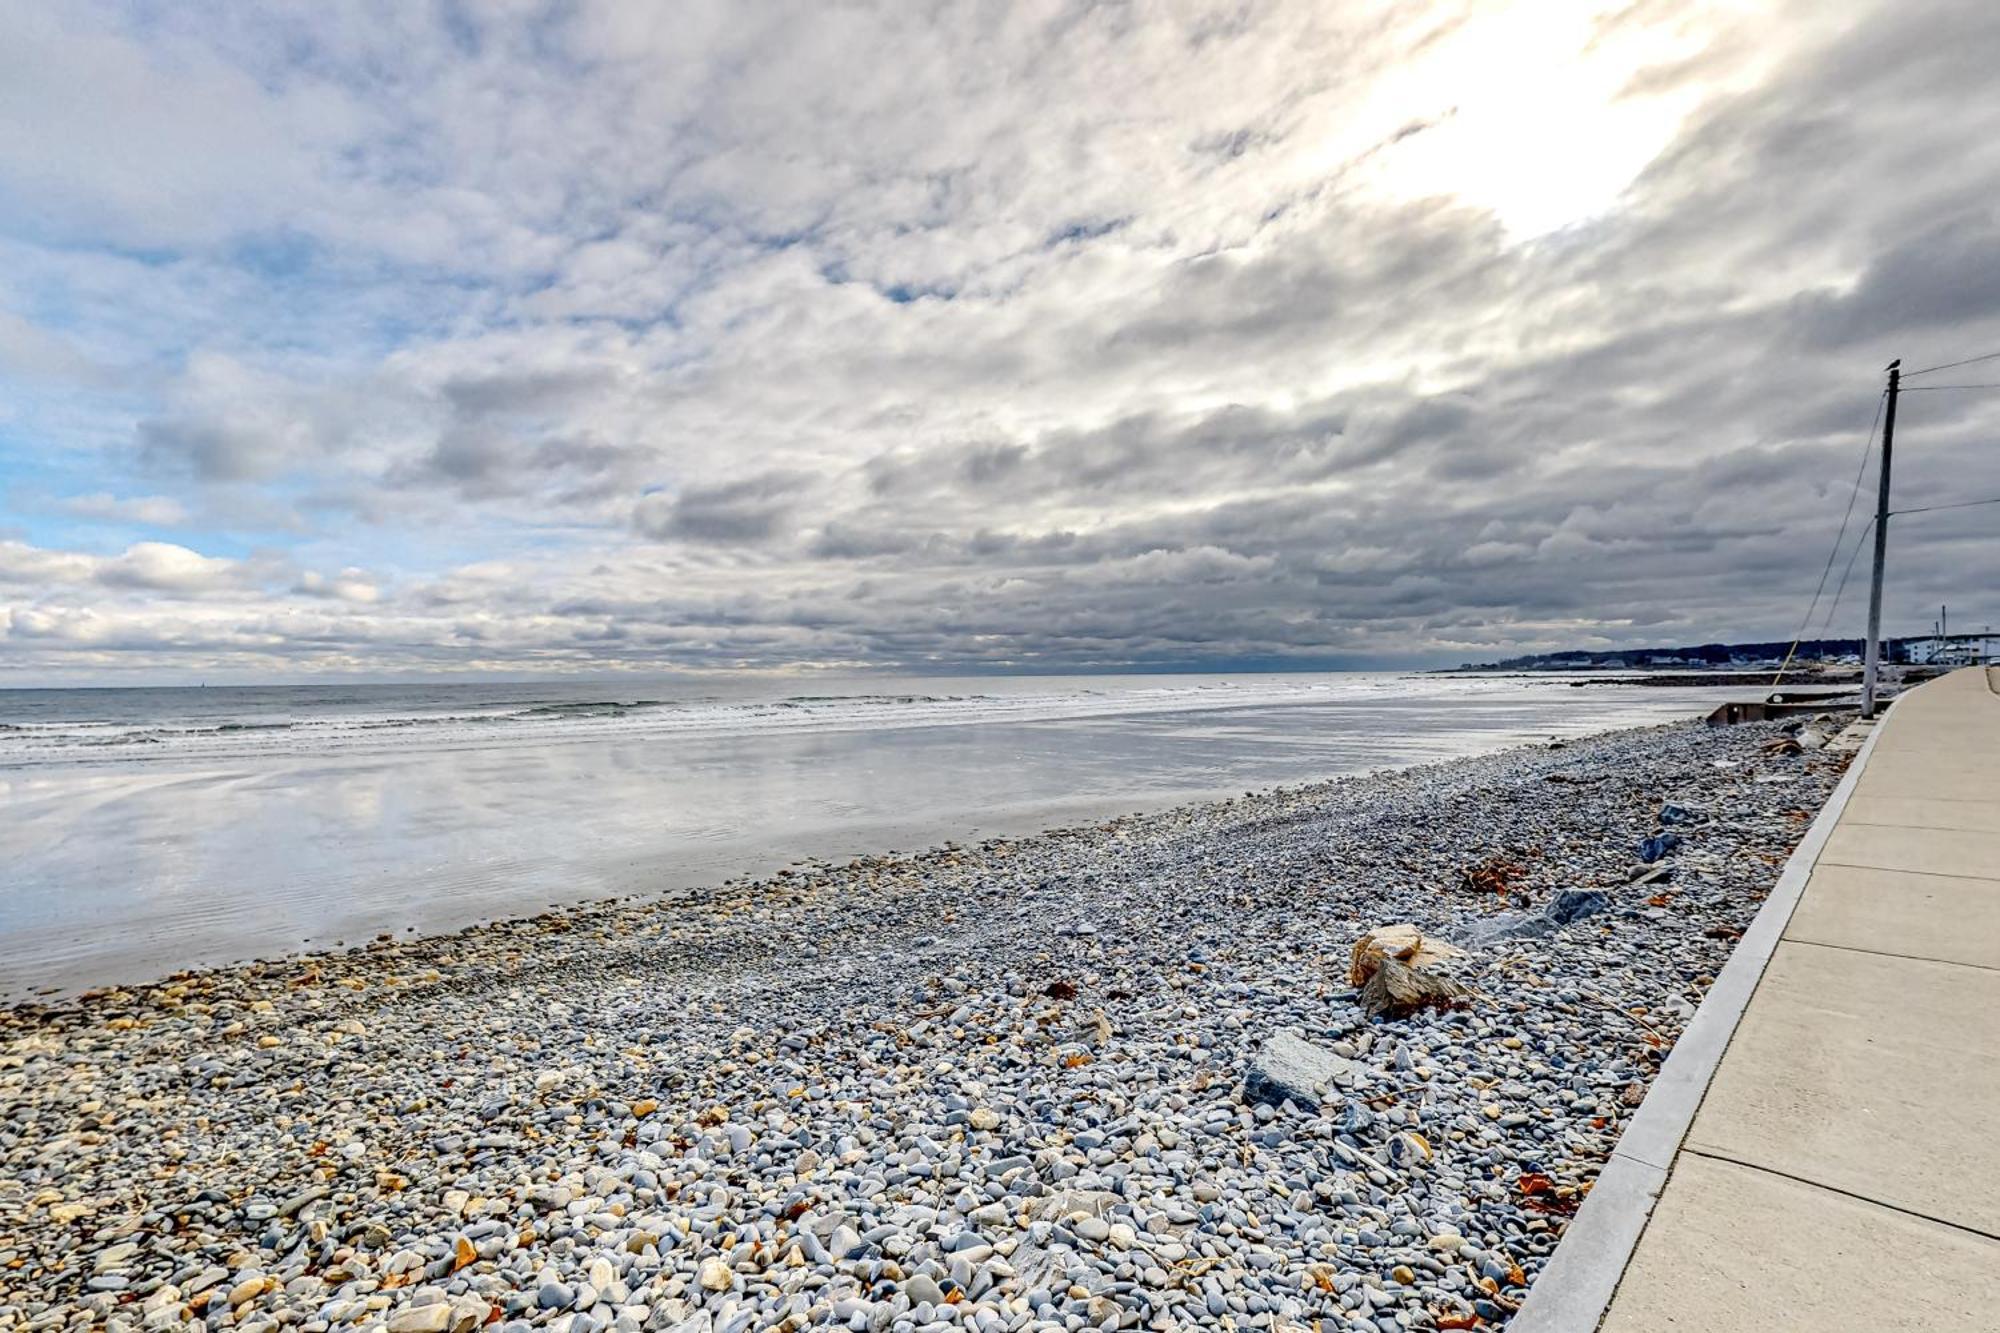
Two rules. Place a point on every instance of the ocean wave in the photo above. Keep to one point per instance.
(878, 699)
(314, 725)
(593, 708)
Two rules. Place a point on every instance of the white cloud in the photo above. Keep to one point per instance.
(159, 511)
(349, 585)
(181, 144)
(859, 334)
(25, 566)
(165, 567)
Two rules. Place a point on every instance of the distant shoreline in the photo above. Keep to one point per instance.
(1834, 682)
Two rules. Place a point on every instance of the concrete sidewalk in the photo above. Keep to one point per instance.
(1843, 1170)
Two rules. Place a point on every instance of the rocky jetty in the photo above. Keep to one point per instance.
(1110, 1077)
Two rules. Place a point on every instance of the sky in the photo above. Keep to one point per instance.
(410, 338)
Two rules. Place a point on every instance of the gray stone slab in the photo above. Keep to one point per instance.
(1874, 1075)
(1731, 1249)
(1926, 851)
(1941, 917)
(1926, 812)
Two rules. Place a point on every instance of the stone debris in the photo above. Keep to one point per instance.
(908, 1094)
(1291, 1069)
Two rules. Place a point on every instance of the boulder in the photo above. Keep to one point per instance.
(1402, 942)
(1566, 908)
(1657, 846)
(1575, 904)
(1291, 1069)
(1397, 990)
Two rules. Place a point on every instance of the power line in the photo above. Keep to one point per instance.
(1939, 388)
(1866, 449)
(1962, 504)
(1862, 541)
(1953, 365)
(1859, 542)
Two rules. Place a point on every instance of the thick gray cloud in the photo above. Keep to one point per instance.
(755, 509)
(1040, 336)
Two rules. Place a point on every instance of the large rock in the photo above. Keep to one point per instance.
(1291, 1069)
(1657, 846)
(1402, 942)
(1575, 904)
(1398, 990)
(1566, 908)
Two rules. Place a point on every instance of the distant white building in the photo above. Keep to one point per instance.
(1957, 650)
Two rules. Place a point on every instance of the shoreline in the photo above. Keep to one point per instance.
(745, 1076)
(270, 857)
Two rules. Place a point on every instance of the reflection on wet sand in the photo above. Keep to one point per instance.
(130, 871)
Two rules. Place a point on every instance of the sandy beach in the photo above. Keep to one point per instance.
(990, 1087)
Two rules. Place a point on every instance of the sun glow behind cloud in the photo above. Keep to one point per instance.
(1527, 110)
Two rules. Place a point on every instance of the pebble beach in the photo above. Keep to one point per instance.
(1046, 1083)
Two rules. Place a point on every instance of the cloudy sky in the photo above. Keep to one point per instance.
(385, 339)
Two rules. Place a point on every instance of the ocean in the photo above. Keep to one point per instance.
(147, 830)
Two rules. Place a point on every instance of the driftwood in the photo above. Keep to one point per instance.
(1396, 989)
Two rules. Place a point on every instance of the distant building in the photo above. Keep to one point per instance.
(1954, 650)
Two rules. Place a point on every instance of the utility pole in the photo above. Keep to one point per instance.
(1874, 661)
